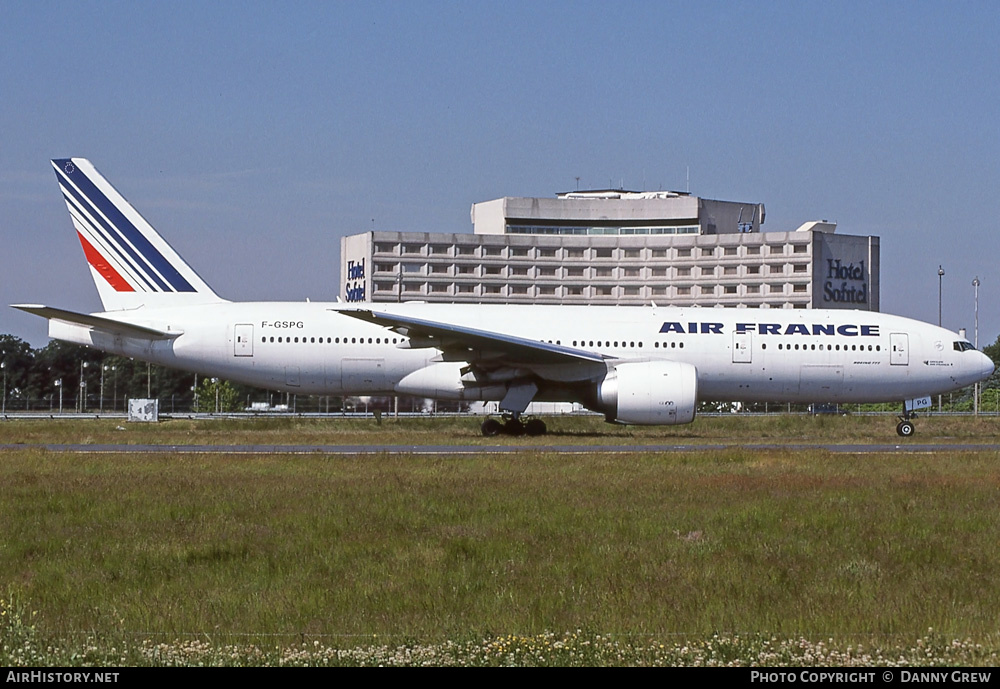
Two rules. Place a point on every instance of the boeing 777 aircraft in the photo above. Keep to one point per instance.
(636, 365)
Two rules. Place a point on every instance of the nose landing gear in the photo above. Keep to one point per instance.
(905, 427)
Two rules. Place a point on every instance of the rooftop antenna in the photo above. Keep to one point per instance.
(578, 184)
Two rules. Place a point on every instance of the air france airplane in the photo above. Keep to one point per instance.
(636, 365)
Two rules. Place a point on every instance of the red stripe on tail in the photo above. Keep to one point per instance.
(95, 259)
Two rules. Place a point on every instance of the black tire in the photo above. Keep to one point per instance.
(535, 427)
(513, 427)
(491, 427)
(905, 429)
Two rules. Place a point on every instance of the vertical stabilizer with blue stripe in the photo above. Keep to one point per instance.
(131, 264)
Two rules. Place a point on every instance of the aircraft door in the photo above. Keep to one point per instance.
(243, 339)
(899, 350)
(742, 349)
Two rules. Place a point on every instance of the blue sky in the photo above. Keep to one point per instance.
(255, 135)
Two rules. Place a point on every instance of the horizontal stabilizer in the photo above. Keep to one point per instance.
(108, 325)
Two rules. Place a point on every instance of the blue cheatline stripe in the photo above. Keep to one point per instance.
(127, 266)
(144, 254)
(115, 216)
(140, 266)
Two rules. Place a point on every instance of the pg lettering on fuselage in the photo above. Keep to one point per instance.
(707, 328)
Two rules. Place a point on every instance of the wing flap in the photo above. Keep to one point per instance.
(477, 344)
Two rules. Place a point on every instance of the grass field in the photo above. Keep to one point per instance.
(704, 557)
(582, 430)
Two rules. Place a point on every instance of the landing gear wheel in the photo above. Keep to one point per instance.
(535, 427)
(513, 426)
(491, 427)
(905, 428)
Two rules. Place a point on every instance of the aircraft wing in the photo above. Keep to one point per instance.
(473, 344)
(100, 323)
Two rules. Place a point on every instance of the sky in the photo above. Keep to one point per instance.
(254, 135)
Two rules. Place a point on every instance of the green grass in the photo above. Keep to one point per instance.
(576, 430)
(645, 549)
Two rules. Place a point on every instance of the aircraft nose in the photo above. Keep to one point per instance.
(987, 366)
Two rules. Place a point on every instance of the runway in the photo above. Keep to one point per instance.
(507, 449)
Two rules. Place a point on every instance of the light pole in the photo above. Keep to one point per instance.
(215, 384)
(59, 385)
(83, 387)
(940, 278)
(975, 390)
(3, 365)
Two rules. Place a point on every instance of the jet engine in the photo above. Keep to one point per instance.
(649, 393)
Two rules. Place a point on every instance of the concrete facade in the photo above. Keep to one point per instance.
(672, 250)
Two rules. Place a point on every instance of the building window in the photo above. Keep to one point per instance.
(632, 253)
(574, 272)
(603, 253)
(466, 251)
(520, 251)
(440, 249)
(493, 251)
(385, 248)
(412, 248)
(602, 272)
(631, 272)
(800, 248)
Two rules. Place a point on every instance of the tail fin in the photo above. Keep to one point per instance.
(131, 264)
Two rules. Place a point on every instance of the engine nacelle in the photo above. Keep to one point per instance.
(650, 393)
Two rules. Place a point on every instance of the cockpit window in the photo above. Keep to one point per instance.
(963, 346)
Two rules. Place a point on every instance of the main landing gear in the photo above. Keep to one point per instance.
(905, 426)
(513, 424)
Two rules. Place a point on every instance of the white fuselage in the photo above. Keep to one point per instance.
(739, 354)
